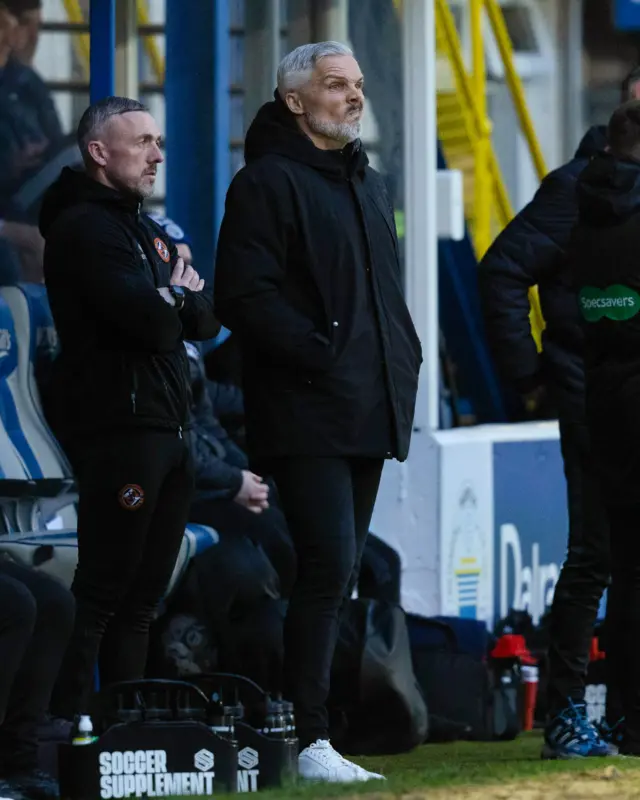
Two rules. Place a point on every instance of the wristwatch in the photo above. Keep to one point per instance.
(177, 292)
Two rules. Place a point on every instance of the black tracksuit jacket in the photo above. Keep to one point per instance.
(605, 263)
(532, 250)
(122, 358)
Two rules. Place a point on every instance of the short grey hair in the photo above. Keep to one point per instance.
(98, 114)
(296, 67)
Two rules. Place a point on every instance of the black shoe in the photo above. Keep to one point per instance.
(9, 791)
(35, 785)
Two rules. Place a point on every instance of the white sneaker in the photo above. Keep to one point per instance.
(320, 762)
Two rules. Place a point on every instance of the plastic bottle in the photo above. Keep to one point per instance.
(289, 719)
(274, 723)
(84, 731)
(529, 674)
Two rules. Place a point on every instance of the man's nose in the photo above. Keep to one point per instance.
(356, 95)
(158, 156)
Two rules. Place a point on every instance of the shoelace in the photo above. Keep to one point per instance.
(329, 754)
(577, 716)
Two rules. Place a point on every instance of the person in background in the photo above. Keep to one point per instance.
(123, 304)
(228, 495)
(21, 245)
(604, 265)
(36, 620)
(308, 278)
(530, 251)
(29, 16)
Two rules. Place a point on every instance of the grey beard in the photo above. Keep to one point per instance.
(341, 132)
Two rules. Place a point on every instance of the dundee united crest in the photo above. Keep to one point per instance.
(163, 250)
(131, 497)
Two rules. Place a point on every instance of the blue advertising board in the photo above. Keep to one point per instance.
(627, 15)
(530, 524)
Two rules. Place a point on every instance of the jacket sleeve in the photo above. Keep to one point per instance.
(528, 250)
(214, 475)
(198, 319)
(101, 266)
(250, 271)
(227, 399)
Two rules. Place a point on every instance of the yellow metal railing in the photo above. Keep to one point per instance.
(82, 44)
(464, 127)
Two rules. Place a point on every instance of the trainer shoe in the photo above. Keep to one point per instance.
(571, 735)
(612, 734)
(320, 762)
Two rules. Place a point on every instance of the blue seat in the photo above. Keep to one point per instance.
(33, 468)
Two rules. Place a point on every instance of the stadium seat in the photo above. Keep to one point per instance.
(56, 552)
(34, 471)
(36, 342)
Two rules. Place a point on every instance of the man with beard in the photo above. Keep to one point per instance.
(308, 278)
(532, 250)
(123, 303)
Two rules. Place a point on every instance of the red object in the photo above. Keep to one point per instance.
(530, 681)
(512, 645)
(595, 653)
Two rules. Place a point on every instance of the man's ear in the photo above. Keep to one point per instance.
(293, 103)
(97, 153)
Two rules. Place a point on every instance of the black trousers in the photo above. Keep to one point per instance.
(328, 504)
(36, 620)
(623, 621)
(135, 490)
(585, 573)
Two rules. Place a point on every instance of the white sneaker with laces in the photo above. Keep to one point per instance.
(320, 762)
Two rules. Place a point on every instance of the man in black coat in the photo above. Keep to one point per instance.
(123, 303)
(308, 278)
(604, 264)
(530, 251)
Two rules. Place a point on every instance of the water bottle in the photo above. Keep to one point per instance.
(289, 720)
(125, 713)
(529, 673)
(222, 719)
(274, 722)
(84, 731)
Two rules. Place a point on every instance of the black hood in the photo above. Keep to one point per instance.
(74, 187)
(275, 131)
(608, 190)
(594, 141)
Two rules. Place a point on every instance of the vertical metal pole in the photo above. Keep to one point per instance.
(126, 79)
(102, 30)
(222, 112)
(261, 54)
(573, 91)
(197, 121)
(332, 20)
(420, 175)
(300, 23)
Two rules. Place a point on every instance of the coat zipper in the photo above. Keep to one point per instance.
(134, 391)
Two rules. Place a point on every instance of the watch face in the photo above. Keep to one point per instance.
(179, 290)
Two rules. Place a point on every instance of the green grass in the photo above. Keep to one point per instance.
(455, 764)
